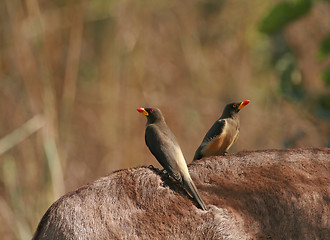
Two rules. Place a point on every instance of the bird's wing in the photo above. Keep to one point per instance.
(198, 154)
(215, 130)
(162, 146)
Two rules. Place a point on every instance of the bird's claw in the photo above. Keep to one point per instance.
(224, 154)
(163, 172)
(160, 172)
(153, 168)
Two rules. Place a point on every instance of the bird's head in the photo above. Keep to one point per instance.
(233, 108)
(152, 114)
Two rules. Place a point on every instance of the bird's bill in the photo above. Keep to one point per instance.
(243, 104)
(143, 111)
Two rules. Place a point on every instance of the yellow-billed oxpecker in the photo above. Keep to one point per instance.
(164, 146)
(223, 133)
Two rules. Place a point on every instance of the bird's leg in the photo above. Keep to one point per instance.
(224, 154)
(165, 176)
(164, 172)
(153, 168)
(160, 172)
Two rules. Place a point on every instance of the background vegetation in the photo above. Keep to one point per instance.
(72, 74)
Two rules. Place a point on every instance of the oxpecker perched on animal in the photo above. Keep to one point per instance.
(223, 133)
(164, 146)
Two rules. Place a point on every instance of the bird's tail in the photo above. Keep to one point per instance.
(192, 190)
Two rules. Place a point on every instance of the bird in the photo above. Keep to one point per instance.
(223, 133)
(163, 145)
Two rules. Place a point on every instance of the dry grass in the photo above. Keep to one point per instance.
(79, 69)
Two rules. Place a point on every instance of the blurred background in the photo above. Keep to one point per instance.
(72, 74)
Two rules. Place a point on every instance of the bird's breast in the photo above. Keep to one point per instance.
(222, 142)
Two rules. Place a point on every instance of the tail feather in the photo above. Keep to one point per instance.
(192, 190)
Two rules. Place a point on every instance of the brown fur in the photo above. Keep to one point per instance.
(272, 194)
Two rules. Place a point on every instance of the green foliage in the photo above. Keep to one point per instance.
(325, 47)
(211, 7)
(323, 106)
(326, 76)
(283, 14)
(323, 53)
(291, 85)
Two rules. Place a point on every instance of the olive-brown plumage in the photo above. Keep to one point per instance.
(164, 146)
(223, 133)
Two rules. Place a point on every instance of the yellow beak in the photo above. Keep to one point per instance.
(143, 111)
(243, 104)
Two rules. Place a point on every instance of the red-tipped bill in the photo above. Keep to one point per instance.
(243, 104)
(143, 111)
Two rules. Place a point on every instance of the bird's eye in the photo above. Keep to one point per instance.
(234, 106)
(151, 111)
